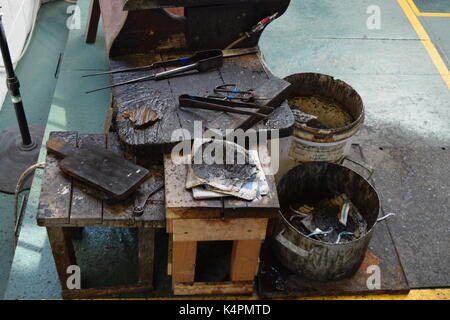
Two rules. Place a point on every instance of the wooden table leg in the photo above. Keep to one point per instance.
(63, 252)
(245, 260)
(93, 20)
(184, 254)
(146, 255)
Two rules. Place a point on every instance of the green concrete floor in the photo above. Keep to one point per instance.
(406, 135)
(37, 74)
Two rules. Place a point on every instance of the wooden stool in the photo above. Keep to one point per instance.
(67, 205)
(190, 221)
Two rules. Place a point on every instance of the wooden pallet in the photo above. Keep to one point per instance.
(190, 221)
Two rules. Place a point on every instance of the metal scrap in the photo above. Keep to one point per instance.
(141, 117)
(337, 215)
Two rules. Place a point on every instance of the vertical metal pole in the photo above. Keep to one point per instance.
(13, 85)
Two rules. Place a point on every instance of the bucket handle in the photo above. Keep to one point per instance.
(364, 165)
(290, 246)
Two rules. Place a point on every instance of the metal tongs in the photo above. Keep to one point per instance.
(224, 105)
(201, 61)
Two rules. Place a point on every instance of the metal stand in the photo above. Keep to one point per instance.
(15, 154)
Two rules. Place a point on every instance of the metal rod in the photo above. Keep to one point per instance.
(13, 85)
(226, 54)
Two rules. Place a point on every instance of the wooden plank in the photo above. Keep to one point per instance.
(162, 97)
(63, 252)
(92, 22)
(113, 18)
(245, 260)
(117, 213)
(179, 201)
(199, 84)
(184, 254)
(169, 255)
(169, 225)
(154, 210)
(146, 254)
(86, 209)
(56, 188)
(155, 95)
(213, 288)
(219, 229)
(270, 201)
(104, 291)
(248, 72)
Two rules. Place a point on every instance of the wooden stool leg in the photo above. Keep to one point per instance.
(93, 20)
(184, 254)
(244, 260)
(146, 255)
(63, 252)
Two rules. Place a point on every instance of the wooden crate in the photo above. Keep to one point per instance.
(189, 221)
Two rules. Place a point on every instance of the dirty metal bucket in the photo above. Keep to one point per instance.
(315, 259)
(311, 144)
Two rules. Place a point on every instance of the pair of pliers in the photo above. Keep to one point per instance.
(230, 92)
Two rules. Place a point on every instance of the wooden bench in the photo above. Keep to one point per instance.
(190, 221)
(66, 205)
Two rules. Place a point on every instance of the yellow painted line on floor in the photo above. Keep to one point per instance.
(417, 12)
(417, 294)
(426, 41)
(423, 294)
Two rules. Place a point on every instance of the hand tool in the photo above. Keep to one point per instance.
(230, 92)
(142, 199)
(101, 168)
(255, 29)
(179, 62)
(202, 61)
(188, 101)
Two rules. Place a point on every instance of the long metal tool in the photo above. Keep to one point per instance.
(188, 101)
(201, 62)
(178, 62)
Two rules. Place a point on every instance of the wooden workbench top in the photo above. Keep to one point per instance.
(180, 203)
(247, 72)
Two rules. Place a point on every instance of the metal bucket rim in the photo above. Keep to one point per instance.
(330, 243)
(328, 132)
